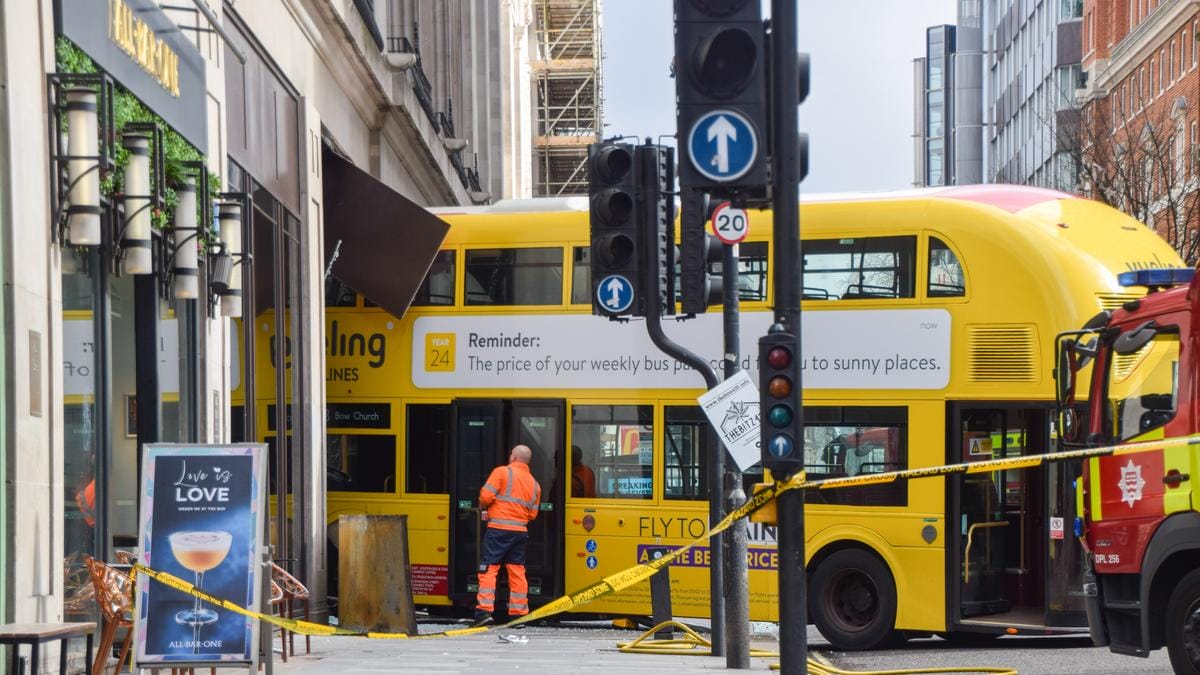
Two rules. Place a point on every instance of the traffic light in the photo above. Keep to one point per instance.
(697, 288)
(658, 181)
(802, 67)
(779, 394)
(613, 174)
(721, 96)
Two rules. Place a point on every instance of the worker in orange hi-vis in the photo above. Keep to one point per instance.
(509, 500)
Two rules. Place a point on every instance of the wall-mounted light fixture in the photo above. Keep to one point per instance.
(455, 144)
(83, 167)
(229, 285)
(184, 245)
(135, 239)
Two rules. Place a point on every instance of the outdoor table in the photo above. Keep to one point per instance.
(34, 634)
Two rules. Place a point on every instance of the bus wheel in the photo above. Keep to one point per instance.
(853, 600)
(1183, 625)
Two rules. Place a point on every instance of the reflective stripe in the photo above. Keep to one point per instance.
(518, 596)
(491, 590)
(505, 521)
(508, 486)
(513, 500)
(490, 489)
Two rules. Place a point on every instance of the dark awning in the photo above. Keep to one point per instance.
(384, 242)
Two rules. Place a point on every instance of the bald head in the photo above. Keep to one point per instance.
(521, 453)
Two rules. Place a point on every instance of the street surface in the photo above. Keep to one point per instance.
(592, 648)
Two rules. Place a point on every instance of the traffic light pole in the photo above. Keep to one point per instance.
(737, 599)
(785, 135)
(694, 361)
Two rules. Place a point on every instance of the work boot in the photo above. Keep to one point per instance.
(483, 620)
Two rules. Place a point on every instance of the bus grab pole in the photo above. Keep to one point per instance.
(717, 459)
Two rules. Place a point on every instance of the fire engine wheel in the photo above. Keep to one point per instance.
(853, 600)
(1183, 625)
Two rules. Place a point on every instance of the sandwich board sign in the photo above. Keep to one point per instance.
(203, 519)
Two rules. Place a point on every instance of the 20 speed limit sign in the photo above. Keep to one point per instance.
(729, 224)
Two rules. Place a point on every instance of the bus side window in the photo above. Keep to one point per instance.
(686, 451)
(437, 289)
(615, 442)
(854, 440)
(581, 276)
(427, 448)
(945, 272)
(863, 268)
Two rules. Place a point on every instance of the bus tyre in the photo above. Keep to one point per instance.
(853, 601)
(1183, 625)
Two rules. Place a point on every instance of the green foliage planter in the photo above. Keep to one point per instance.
(127, 108)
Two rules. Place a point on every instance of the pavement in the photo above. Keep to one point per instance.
(583, 648)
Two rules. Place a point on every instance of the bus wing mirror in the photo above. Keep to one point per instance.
(1065, 367)
(1135, 338)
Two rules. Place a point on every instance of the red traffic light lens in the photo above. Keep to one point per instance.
(779, 387)
(779, 357)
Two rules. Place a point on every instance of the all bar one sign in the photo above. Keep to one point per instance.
(138, 40)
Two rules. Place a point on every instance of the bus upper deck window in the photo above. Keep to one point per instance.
(945, 272)
(438, 287)
(514, 276)
(859, 268)
(581, 276)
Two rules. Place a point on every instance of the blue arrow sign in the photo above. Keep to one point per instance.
(781, 445)
(615, 293)
(723, 145)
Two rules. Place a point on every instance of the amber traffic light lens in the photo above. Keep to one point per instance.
(779, 357)
(779, 387)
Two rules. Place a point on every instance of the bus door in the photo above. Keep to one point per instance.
(484, 433)
(999, 553)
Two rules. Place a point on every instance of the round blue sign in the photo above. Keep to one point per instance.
(780, 445)
(614, 293)
(723, 145)
(591, 545)
(592, 562)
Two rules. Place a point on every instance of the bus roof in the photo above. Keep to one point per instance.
(1011, 198)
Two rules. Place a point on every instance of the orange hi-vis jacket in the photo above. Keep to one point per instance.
(511, 496)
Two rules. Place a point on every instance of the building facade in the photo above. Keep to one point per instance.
(1138, 140)
(298, 141)
(1012, 72)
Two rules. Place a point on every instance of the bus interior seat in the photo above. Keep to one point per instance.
(861, 291)
(811, 293)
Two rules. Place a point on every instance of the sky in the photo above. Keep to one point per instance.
(858, 114)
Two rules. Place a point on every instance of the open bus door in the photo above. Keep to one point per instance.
(1012, 562)
(484, 431)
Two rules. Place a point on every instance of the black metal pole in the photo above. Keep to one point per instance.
(785, 131)
(695, 362)
(737, 580)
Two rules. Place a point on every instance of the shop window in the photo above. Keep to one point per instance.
(616, 443)
(338, 294)
(438, 287)
(581, 276)
(427, 453)
(514, 276)
(360, 463)
(686, 449)
(945, 272)
(859, 268)
(854, 441)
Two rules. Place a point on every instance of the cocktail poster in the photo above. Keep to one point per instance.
(202, 521)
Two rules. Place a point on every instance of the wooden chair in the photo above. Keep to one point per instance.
(114, 595)
(292, 591)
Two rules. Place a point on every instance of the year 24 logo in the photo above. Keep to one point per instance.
(439, 352)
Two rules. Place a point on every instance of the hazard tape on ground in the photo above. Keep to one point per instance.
(614, 583)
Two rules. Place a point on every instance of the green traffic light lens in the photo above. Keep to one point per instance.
(780, 416)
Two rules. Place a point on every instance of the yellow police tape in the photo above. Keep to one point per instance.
(625, 578)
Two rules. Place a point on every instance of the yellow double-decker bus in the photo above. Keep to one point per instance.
(928, 325)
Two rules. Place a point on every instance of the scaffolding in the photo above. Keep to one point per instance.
(566, 72)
